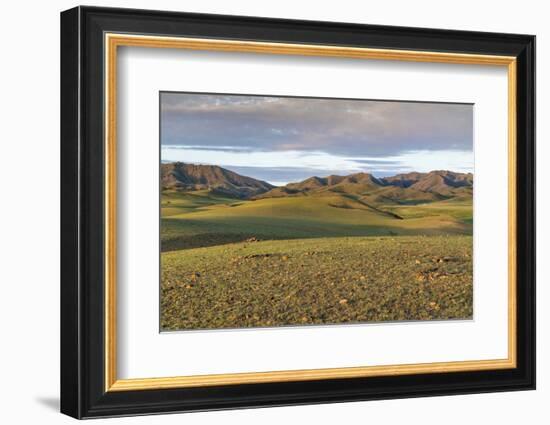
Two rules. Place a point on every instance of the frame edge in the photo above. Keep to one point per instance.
(70, 380)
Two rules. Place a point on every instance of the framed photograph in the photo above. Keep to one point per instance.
(261, 212)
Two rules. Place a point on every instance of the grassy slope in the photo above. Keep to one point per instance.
(191, 220)
(174, 203)
(312, 281)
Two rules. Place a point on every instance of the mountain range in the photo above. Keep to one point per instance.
(411, 187)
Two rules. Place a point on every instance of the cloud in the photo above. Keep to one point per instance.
(333, 126)
(213, 148)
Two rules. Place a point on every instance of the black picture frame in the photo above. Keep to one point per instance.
(83, 392)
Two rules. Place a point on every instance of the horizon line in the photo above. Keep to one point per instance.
(315, 176)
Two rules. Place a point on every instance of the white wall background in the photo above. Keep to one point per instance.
(29, 213)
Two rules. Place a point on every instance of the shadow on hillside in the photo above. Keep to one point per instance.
(204, 240)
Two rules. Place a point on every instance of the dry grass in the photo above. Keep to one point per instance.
(317, 281)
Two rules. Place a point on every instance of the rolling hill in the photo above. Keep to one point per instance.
(402, 188)
(192, 177)
(208, 205)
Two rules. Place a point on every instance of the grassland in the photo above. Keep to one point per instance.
(330, 258)
(199, 219)
(315, 281)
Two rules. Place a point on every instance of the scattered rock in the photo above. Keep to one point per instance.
(421, 277)
(343, 301)
(434, 306)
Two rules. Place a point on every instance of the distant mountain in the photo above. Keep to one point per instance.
(182, 176)
(402, 188)
(440, 181)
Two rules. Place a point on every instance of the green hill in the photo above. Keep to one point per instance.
(203, 218)
(205, 205)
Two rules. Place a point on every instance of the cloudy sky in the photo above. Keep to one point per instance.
(285, 139)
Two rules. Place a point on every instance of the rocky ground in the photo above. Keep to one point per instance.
(257, 283)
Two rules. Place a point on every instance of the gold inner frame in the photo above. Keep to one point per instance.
(113, 41)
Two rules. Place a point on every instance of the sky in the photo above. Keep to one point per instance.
(288, 139)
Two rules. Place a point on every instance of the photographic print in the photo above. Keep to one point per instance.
(293, 211)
